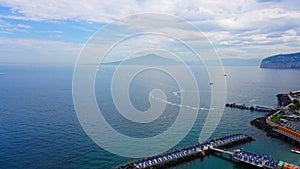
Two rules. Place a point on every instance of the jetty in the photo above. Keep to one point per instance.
(251, 108)
(186, 154)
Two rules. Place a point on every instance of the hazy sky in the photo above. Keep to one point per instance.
(47, 31)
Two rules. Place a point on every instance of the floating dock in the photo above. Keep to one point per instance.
(252, 108)
(187, 154)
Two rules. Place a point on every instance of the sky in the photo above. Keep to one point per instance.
(54, 32)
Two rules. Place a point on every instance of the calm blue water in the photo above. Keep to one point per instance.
(39, 127)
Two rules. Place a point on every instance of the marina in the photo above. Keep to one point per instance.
(187, 154)
(213, 147)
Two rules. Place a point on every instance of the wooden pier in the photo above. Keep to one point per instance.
(187, 154)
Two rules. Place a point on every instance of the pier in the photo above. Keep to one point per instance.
(251, 108)
(189, 153)
(249, 158)
(254, 160)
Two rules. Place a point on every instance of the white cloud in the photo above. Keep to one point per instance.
(93, 10)
(8, 28)
(247, 28)
(235, 12)
(23, 26)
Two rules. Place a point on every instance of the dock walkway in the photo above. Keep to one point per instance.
(222, 151)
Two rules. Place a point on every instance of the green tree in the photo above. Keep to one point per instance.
(295, 101)
(297, 104)
(292, 108)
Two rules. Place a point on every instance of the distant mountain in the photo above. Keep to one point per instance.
(282, 61)
(150, 59)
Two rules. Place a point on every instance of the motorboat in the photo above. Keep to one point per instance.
(295, 150)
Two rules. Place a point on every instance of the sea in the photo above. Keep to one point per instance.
(39, 127)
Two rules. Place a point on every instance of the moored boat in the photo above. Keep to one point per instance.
(295, 150)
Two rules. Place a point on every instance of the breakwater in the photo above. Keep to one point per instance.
(251, 108)
(261, 123)
(186, 154)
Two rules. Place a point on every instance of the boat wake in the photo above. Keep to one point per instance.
(180, 105)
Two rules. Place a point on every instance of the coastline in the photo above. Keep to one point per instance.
(281, 128)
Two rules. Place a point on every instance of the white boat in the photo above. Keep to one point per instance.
(295, 150)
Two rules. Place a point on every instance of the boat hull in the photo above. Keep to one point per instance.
(295, 150)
